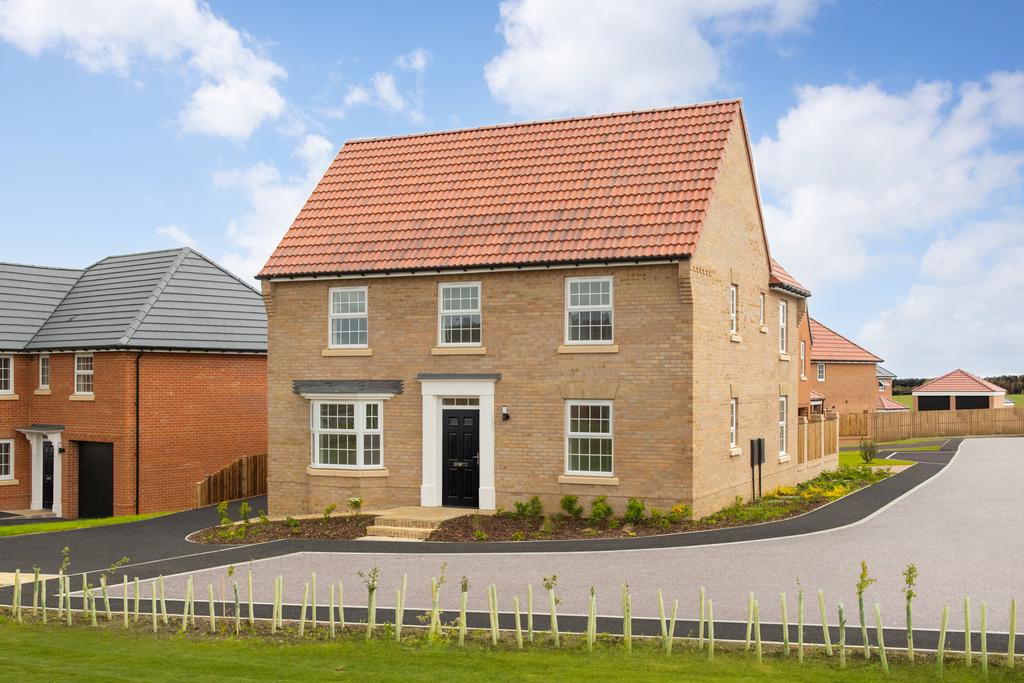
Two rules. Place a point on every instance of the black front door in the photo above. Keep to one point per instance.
(95, 479)
(461, 455)
(47, 475)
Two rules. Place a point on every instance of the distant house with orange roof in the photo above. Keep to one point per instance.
(958, 390)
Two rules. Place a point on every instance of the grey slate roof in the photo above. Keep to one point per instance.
(347, 386)
(882, 372)
(28, 294)
(176, 299)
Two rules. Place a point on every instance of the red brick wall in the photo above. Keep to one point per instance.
(199, 413)
(848, 387)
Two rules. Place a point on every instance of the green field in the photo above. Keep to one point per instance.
(908, 400)
(45, 527)
(55, 652)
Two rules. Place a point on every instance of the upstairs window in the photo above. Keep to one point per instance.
(83, 373)
(589, 437)
(588, 310)
(460, 322)
(44, 371)
(803, 359)
(881, 385)
(782, 327)
(733, 296)
(6, 374)
(733, 420)
(347, 434)
(348, 316)
(783, 409)
(761, 309)
(821, 372)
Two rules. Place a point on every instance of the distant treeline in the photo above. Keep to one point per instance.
(1014, 384)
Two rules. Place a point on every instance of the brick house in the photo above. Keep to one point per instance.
(843, 374)
(122, 384)
(584, 306)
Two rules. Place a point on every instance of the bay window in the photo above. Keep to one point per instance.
(347, 434)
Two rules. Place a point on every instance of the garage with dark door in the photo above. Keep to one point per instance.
(958, 390)
(95, 479)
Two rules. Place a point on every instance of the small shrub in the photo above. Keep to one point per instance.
(264, 520)
(328, 511)
(222, 512)
(614, 523)
(590, 531)
(480, 535)
(680, 512)
(660, 520)
(547, 527)
(518, 535)
(572, 507)
(868, 451)
(529, 508)
(600, 510)
(293, 524)
(355, 504)
(243, 511)
(634, 511)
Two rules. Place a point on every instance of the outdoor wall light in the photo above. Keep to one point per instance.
(505, 417)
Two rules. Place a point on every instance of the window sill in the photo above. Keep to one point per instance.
(735, 338)
(588, 348)
(763, 329)
(458, 351)
(41, 392)
(82, 397)
(8, 397)
(582, 479)
(734, 451)
(784, 356)
(8, 482)
(783, 457)
(347, 352)
(338, 472)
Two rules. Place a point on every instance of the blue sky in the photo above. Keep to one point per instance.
(888, 137)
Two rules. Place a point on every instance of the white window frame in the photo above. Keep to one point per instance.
(44, 357)
(761, 311)
(783, 327)
(332, 316)
(590, 435)
(10, 373)
(569, 309)
(734, 421)
(734, 295)
(803, 359)
(85, 373)
(783, 426)
(479, 310)
(360, 431)
(881, 384)
(10, 456)
(821, 372)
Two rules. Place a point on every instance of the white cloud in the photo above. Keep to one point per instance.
(177, 235)
(273, 202)
(384, 91)
(237, 92)
(587, 56)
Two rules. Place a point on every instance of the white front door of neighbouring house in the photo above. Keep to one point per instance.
(47, 466)
(469, 401)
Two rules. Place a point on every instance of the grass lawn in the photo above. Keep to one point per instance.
(55, 652)
(852, 458)
(44, 527)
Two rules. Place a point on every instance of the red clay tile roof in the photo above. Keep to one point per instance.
(780, 277)
(815, 396)
(829, 345)
(619, 187)
(959, 381)
(886, 404)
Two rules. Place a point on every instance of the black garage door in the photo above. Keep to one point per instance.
(932, 403)
(971, 402)
(95, 479)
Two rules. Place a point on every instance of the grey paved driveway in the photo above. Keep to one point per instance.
(962, 528)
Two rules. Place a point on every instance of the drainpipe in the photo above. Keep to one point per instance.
(138, 361)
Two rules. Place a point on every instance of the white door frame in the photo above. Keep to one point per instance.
(434, 390)
(35, 437)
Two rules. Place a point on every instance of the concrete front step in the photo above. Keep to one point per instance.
(407, 522)
(380, 530)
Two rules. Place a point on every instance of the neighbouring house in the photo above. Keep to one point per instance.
(585, 306)
(843, 372)
(884, 400)
(958, 390)
(123, 384)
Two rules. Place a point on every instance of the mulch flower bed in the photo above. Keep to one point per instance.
(341, 527)
(529, 524)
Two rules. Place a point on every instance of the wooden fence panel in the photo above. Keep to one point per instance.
(940, 423)
(243, 478)
(817, 437)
